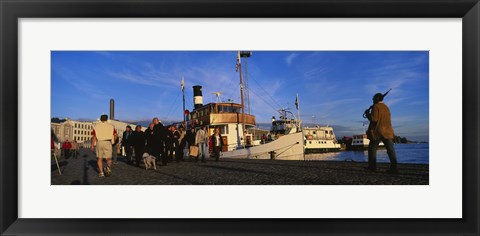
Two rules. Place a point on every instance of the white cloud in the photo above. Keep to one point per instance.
(81, 85)
(148, 75)
(290, 57)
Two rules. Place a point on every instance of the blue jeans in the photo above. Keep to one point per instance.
(201, 150)
(372, 153)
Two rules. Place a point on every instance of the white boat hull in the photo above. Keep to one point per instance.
(288, 147)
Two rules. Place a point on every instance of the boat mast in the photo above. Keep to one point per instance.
(183, 94)
(239, 69)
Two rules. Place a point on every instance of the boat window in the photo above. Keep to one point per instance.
(314, 132)
(229, 109)
(224, 129)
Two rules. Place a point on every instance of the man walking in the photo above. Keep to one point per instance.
(103, 136)
(380, 129)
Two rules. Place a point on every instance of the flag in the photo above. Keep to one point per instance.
(296, 102)
(183, 84)
(238, 62)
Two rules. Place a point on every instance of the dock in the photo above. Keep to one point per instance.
(83, 171)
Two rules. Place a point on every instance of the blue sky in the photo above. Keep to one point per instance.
(334, 87)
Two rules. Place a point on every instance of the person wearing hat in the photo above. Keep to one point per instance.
(380, 129)
(103, 136)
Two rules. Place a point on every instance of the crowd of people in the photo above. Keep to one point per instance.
(166, 143)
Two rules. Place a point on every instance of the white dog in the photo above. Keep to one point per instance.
(149, 161)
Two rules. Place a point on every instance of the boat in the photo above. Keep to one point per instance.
(320, 139)
(360, 142)
(228, 119)
(236, 126)
(238, 141)
(317, 139)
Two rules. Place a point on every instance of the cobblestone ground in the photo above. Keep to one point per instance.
(83, 170)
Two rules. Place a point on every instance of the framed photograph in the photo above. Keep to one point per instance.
(254, 118)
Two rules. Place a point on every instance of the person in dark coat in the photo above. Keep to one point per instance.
(149, 138)
(126, 143)
(169, 143)
(175, 142)
(217, 143)
(160, 135)
(138, 143)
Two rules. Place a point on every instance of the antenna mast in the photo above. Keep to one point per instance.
(239, 69)
(246, 54)
(217, 96)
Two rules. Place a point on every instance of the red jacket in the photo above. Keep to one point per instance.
(67, 145)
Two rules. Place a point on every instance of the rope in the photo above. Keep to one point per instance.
(268, 94)
(171, 107)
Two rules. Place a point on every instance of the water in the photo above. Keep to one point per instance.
(406, 153)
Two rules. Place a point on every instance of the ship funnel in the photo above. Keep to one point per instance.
(112, 109)
(197, 96)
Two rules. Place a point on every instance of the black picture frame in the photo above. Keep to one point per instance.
(11, 11)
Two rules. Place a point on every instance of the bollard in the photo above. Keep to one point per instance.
(272, 155)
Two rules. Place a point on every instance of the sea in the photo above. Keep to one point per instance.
(415, 153)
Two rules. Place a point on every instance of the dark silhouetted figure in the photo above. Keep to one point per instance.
(138, 143)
